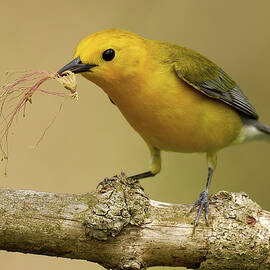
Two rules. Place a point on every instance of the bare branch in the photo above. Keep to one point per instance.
(119, 227)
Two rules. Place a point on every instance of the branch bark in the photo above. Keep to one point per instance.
(119, 227)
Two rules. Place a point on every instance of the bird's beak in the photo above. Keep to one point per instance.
(76, 66)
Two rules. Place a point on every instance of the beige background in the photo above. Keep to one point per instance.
(90, 139)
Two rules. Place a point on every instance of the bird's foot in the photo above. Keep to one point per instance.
(203, 204)
(104, 185)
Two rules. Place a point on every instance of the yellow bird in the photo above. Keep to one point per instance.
(174, 97)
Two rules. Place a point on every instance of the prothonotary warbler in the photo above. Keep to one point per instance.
(174, 97)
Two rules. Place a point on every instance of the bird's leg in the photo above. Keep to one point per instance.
(155, 168)
(142, 175)
(155, 165)
(203, 202)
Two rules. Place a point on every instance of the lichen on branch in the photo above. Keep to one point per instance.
(121, 202)
(120, 227)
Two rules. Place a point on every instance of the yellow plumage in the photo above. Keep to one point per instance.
(171, 116)
(165, 111)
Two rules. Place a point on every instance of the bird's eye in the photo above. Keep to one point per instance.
(108, 55)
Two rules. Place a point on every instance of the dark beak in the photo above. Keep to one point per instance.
(76, 66)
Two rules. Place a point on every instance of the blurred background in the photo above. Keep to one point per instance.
(90, 139)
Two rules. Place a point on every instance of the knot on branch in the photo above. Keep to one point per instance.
(238, 234)
(120, 201)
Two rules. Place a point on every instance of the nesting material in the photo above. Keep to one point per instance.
(18, 90)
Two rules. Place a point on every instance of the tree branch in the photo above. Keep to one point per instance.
(119, 227)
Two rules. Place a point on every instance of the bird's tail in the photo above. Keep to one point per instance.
(255, 130)
(263, 128)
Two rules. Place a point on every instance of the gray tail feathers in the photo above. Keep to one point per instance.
(255, 130)
(261, 127)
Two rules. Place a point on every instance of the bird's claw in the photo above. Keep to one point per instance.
(203, 204)
(106, 183)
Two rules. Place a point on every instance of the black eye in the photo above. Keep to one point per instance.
(108, 55)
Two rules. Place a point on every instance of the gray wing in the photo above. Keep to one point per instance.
(208, 78)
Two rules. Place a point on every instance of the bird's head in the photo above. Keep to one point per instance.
(109, 58)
